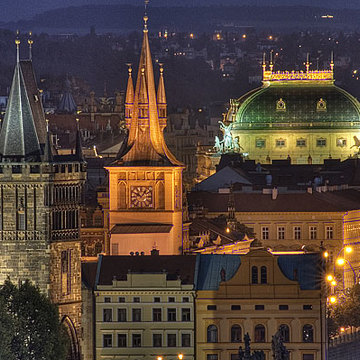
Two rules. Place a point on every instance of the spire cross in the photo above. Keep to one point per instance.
(30, 42)
(17, 43)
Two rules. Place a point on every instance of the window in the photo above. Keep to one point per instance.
(107, 315)
(283, 307)
(185, 314)
(329, 233)
(156, 299)
(308, 333)
(281, 233)
(107, 340)
(122, 340)
(211, 307)
(297, 232)
(300, 142)
(285, 332)
(341, 142)
(122, 315)
(156, 314)
(259, 307)
(185, 340)
(263, 275)
(307, 307)
(260, 143)
(157, 340)
(235, 333)
(235, 307)
(212, 334)
(136, 299)
(259, 333)
(136, 340)
(107, 300)
(280, 143)
(66, 272)
(321, 142)
(171, 340)
(254, 275)
(171, 299)
(121, 299)
(185, 299)
(212, 357)
(265, 233)
(308, 357)
(21, 220)
(313, 232)
(171, 314)
(136, 315)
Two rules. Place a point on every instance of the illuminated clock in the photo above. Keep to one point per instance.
(141, 196)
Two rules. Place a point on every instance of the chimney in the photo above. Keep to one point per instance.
(274, 193)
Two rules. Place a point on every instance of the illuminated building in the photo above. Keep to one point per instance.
(40, 194)
(145, 181)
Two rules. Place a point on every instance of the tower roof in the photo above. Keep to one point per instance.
(146, 144)
(19, 138)
(161, 95)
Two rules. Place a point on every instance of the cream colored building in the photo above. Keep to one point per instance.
(144, 307)
(256, 294)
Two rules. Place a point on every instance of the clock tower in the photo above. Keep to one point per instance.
(145, 181)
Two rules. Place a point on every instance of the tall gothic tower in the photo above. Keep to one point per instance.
(145, 182)
(40, 194)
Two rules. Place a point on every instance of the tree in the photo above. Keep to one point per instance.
(346, 312)
(29, 325)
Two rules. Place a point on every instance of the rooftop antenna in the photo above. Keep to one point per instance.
(30, 42)
(17, 43)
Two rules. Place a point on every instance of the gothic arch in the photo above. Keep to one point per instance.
(122, 195)
(74, 347)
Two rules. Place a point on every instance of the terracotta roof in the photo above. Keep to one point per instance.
(119, 266)
(141, 228)
(291, 202)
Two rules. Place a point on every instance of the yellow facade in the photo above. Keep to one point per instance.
(277, 301)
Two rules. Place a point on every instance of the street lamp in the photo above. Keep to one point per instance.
(180, 356)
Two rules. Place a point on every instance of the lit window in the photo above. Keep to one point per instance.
(313, 232)
(281, 233)
(321, 142)
(280, 143)
(341, 142)
(300, 142)
(329, 233)
(297, 232)
(260, 143)
(265, 233)
(308, 333)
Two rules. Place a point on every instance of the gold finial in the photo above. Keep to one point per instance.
(30, 42)
(129, 65)
(17, 43)
(146, 2)
(161, 65)
(142, 71)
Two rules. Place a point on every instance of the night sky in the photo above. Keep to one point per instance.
(23, 9)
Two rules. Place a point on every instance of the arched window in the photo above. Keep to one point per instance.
(235, 333)
(254, 275)
(122, 195)
(285, 332)
(263, 275)
(259, 333)
(212, 334)
(308, 333)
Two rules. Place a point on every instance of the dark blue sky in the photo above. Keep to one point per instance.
(22, 9)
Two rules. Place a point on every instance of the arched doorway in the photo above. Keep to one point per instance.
(74, 348)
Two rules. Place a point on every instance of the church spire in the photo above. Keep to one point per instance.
(18, 137)
(129, 98)
(161, 99)
(145, 137)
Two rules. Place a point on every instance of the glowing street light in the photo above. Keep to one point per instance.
(340, 261)
(159, 358)
(333, 283)
(325, 254)
(332, 299)
(329, 278)
(348, 249)
(180, 356)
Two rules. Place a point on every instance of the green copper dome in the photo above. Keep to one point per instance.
(299, 104)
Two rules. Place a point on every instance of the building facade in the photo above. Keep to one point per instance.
(145, 181)
(258, 294)
(40, 196)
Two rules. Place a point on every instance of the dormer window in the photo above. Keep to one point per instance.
(321, 105)
(280, 105)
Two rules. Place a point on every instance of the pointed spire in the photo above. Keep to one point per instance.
(18, 137)
(264, 64)
(30, 42)
(17, 43)
(78, 145)
(48, 156)
(143, 96)
(161, 96)
(129, 99)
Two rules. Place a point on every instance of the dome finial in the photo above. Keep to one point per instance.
(17, 43)
(307, 64)
(30, 42)
(129, 65)
(146, 18)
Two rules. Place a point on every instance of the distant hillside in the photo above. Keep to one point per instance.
(123, 18)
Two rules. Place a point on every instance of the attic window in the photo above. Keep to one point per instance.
(321, 105)
(280, 105)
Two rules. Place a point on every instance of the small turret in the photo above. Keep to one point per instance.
(129, 99)
(161, 99)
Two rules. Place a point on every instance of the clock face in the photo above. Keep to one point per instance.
(141, 196)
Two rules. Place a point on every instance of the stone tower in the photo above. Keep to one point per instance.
(40, 194)
(145, 182)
